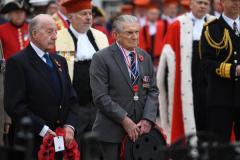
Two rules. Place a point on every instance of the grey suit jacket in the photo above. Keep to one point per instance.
(113, 95)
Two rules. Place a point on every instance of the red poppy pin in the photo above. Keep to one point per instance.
(141, 58)
(135, 88)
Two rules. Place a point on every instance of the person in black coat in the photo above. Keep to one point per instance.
(220, 52)
(37, 84)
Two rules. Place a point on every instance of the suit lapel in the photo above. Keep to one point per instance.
(119, 59)
(140, 65)
(58, 65)
(38, 64)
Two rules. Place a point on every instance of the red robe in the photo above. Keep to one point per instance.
(13, 39)
(145, 40)
(176, 100)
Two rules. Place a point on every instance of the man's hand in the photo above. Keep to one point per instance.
(145, 126)
(131, 128)
(50, 132)
(69, 134)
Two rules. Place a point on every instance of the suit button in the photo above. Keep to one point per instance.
(60, 107)
(235, 61)
(234, 52)
(58, 121)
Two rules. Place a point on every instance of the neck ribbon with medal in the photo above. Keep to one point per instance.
(134, 76)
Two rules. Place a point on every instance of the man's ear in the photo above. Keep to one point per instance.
(34, 34)
(115, 35)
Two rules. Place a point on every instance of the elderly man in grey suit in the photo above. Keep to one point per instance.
(124, 89)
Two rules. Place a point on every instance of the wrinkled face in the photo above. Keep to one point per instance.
(82, 20)
(128, 36)
(231, 8)
(200, 7)
(45, 35)
(153, 14)
(17, 17)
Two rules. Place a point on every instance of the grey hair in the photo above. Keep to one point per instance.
(117, 23)
(34, 25)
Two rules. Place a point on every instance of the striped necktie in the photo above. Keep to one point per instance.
(134, 70)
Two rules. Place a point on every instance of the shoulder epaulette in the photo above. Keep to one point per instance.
(211, 21)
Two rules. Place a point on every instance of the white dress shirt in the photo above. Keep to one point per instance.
(85, 49)
(231, 21)
(197, 26)
(152, 28)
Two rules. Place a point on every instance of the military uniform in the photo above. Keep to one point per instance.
(220, 53)
(13, 38)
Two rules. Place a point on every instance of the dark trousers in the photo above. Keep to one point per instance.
(110, 151)
(221, 120)
(87, 116)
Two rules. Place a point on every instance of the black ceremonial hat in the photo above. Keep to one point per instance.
(14, 5)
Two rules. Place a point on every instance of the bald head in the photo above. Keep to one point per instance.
(42, 31)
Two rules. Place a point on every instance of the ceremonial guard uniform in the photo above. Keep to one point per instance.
(220, 52)
(13, 38)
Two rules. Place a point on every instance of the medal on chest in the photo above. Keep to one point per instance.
(135, 90)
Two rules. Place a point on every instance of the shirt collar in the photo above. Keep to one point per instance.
(125, 50)
(230, 21)
(39, 52)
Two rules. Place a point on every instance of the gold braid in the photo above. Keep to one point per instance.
(224, 69)
(224, 43)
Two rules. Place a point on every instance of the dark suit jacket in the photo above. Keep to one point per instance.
(221, 90)
(113, 95)
(29, 91)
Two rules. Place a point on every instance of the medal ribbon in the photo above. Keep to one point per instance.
(132, 66)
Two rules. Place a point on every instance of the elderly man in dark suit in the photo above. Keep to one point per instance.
(37, 84)
(124, 89)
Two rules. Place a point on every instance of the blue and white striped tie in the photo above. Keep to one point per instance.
(134, 70)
